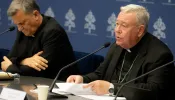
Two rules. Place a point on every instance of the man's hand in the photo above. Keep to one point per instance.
(5, 64)
(37, 62)
(100, 87)
(75, 79)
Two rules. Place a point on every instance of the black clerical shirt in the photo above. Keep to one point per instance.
(125, 65)
(50, 38)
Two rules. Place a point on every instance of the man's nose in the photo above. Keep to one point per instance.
(20, 28)
(117, 30)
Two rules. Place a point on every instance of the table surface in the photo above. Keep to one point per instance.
(26, 83)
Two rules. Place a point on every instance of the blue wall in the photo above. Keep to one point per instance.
(103, 14)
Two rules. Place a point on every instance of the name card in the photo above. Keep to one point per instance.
(12, 94)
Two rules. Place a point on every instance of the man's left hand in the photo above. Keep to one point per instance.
(5, 64)
(100, 87)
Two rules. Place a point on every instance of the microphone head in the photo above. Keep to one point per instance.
(106, 44)
(11, 28)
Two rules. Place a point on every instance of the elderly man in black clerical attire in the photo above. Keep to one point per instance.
(41, 47)
(134, 53)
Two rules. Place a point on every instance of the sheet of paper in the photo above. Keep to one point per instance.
(102, 97)
(76, 89)
(12, 94)
(55, 90)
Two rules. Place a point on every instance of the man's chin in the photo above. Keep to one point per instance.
(118, 43)
(27, 34)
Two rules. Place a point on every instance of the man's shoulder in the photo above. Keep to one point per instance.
(157, 49)
(158, 44)
(52, 28)
(51, 24)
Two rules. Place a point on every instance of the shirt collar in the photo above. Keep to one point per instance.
(41, 26)
(136, 48)
(128, 50)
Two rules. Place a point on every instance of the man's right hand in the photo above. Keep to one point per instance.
(37, 62)
(75, 79)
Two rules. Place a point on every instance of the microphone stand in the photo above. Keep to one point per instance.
(141, 77)
(9, 29)
(54, 81)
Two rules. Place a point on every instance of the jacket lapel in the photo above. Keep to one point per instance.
(112, 67)
(140, 59)
(136, 67)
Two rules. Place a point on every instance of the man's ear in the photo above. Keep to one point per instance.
(36, 14)
(141, 30)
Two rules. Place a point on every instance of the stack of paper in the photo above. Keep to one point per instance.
(78, 90)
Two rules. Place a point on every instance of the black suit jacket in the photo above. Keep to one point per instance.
(152, 54)
(50, 38)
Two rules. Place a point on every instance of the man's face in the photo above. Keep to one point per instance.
(126, 30)
(26, 23)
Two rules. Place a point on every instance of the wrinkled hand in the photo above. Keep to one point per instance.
(75, 79)
(100, 87)
(37, 62)
(5, 64)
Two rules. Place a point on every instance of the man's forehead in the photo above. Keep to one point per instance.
(19, 16)
(126, 17)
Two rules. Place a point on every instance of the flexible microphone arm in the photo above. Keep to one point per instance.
(142, 76)
(54, 81)
(11, 28)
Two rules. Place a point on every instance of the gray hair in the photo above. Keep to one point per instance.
(28, 6)
(142, 15)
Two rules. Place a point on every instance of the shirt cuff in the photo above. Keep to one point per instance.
(111, 85)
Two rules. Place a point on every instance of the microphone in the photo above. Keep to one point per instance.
(11, 28)
(141, 77)
(54, 81)
(52, 85)
(8, 75)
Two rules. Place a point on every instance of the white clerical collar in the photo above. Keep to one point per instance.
(128, 50)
